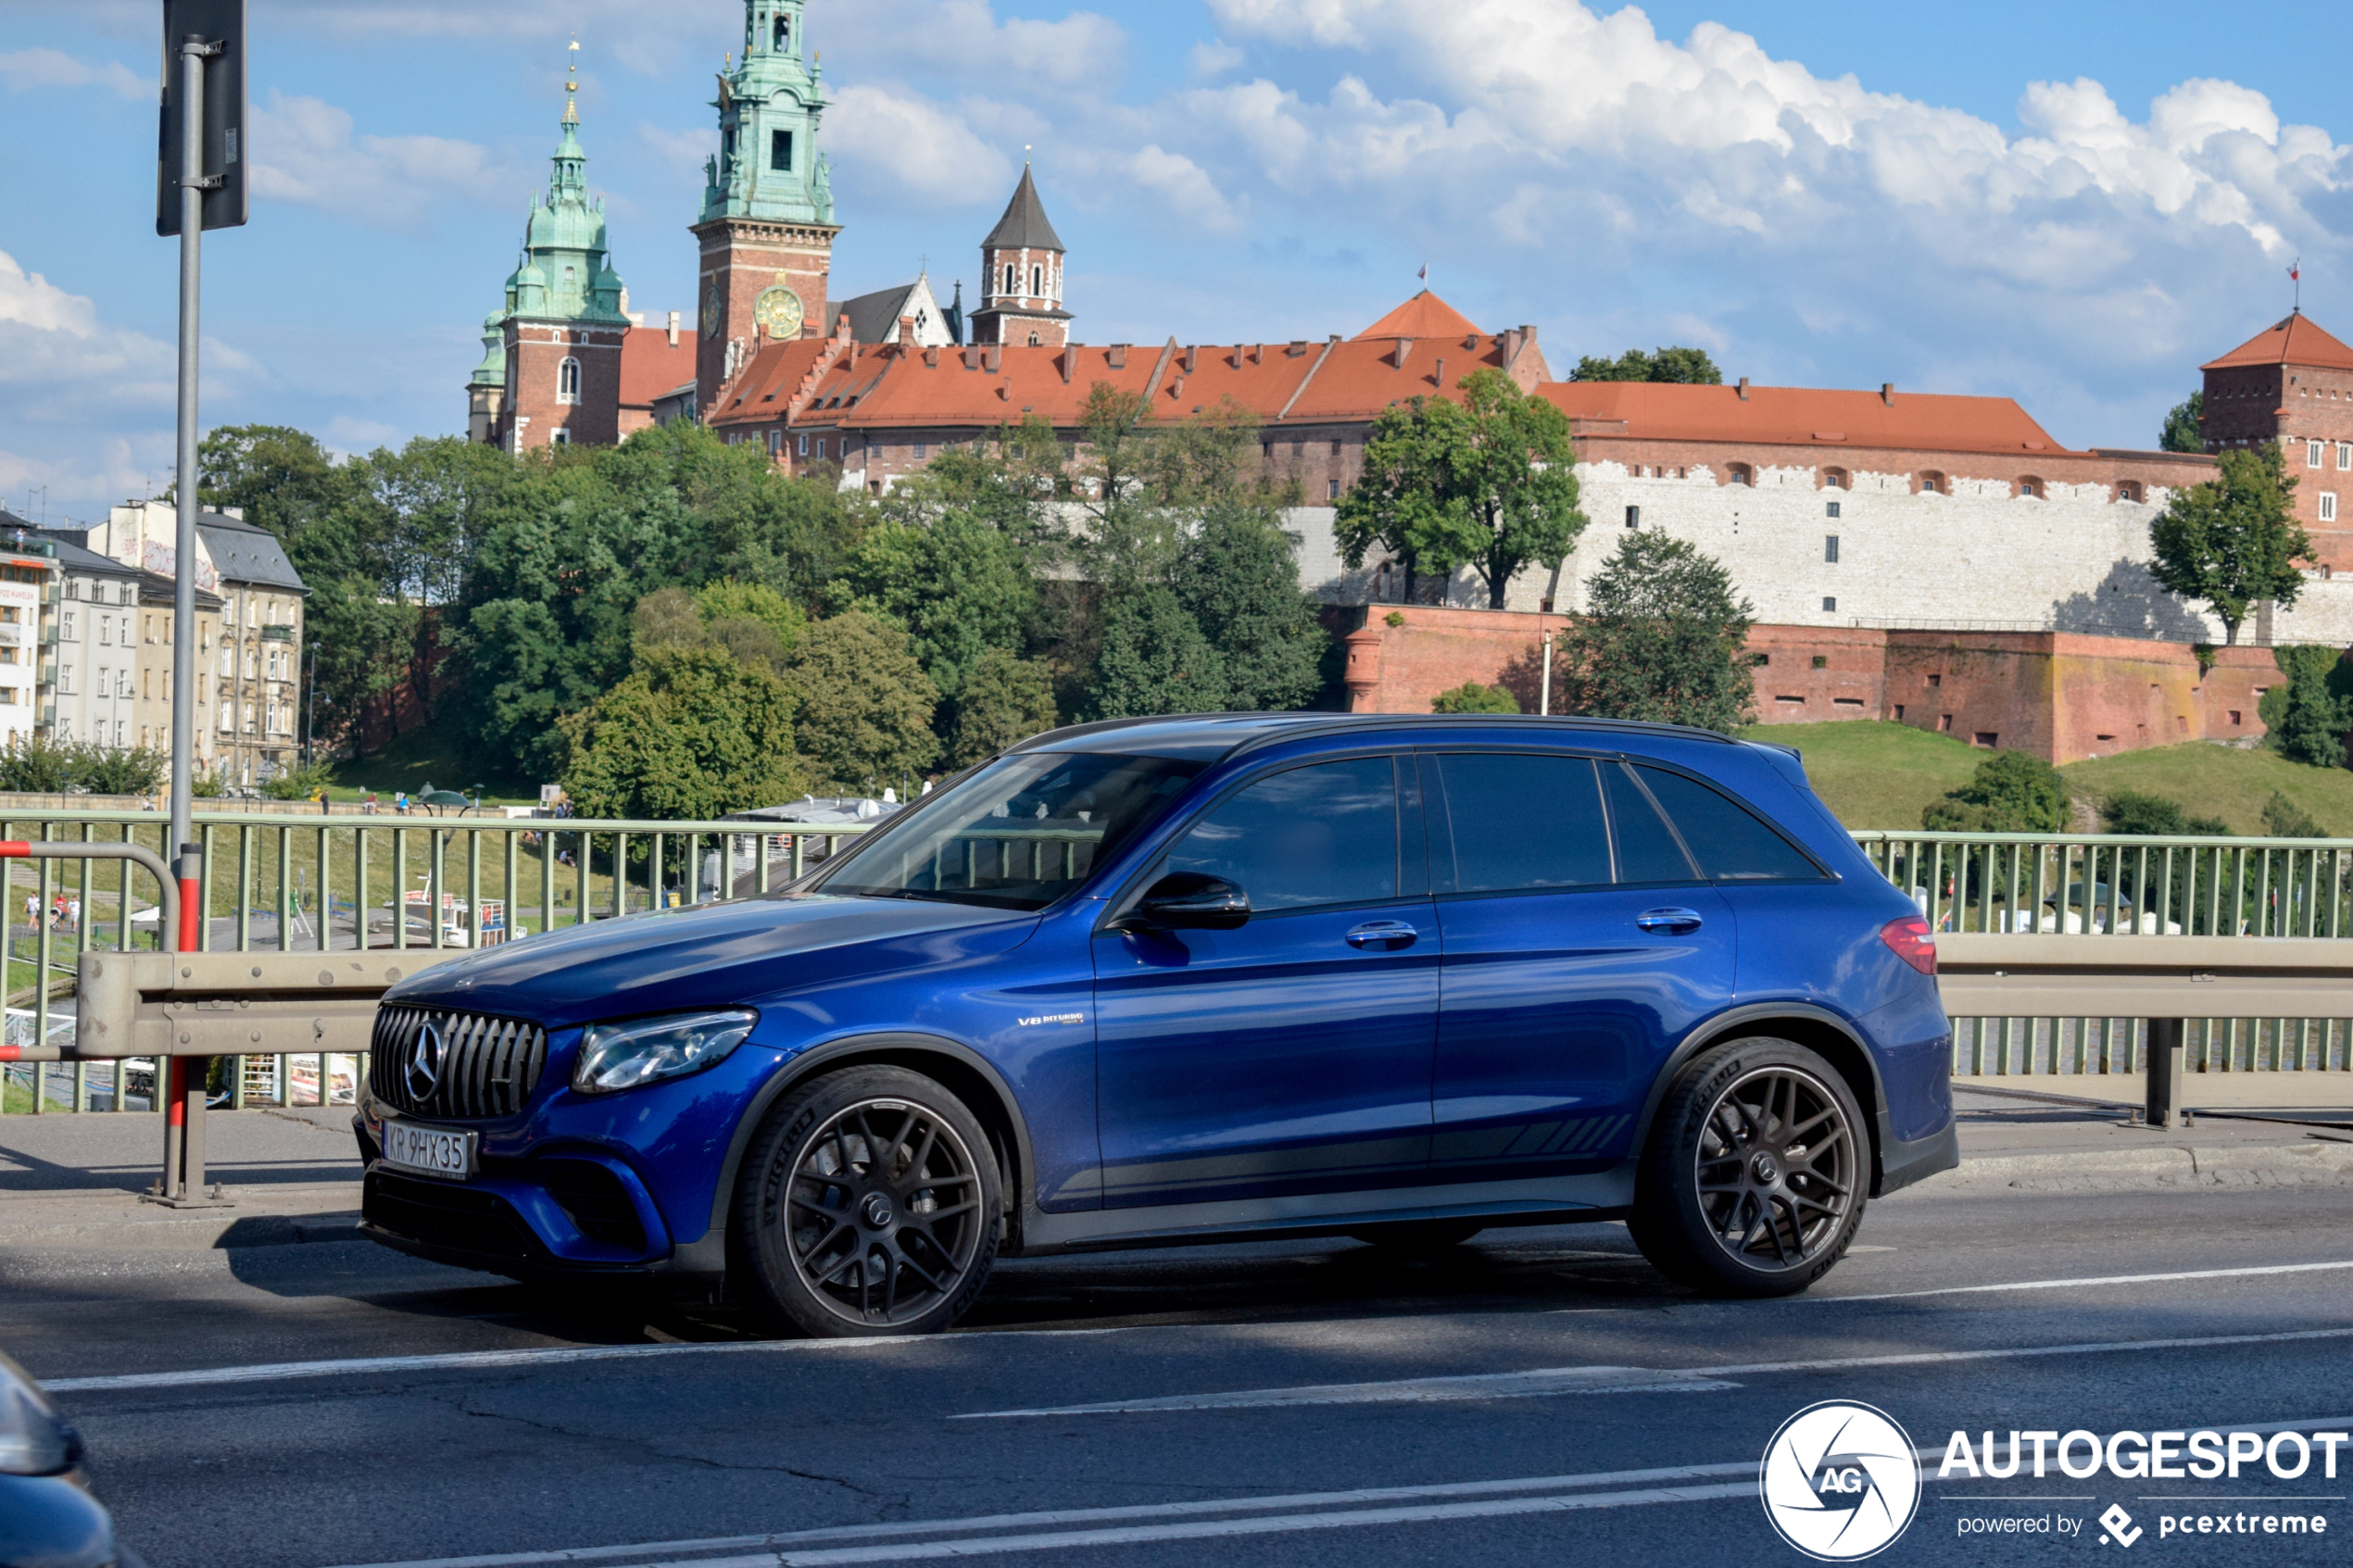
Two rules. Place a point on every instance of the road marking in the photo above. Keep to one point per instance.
(781, 1541)
(650, 1551)
(2090, 1281)
(462, 1360)
(364, 1366)
(1570, 1380)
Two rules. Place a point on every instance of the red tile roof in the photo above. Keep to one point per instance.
(1424, 315)
(2292, 340)
(763, 388)
(650, 367)
(1796, 416)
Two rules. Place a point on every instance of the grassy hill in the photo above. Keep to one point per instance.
(1880, 775)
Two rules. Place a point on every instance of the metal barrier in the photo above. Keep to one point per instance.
(276, 883)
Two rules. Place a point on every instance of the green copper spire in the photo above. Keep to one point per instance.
(769, 108)
(566, 272)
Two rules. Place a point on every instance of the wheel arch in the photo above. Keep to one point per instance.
(962, 1070)
(1817, 1028)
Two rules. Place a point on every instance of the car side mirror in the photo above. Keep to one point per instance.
(1189, 901)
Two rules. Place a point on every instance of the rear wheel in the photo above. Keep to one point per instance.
(1410, 1236)
(869, 1204)
(1753, 1180)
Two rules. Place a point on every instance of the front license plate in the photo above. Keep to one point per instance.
(429, 1151)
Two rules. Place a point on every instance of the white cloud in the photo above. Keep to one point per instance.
(303, 152)
(53, 344)
(964, 38)
(1181, 186)
(27, 69)
(930, 150)
(683, 151)
(1214, 58)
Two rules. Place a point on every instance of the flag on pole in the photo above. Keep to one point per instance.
(2296, 272)
(1423, 274)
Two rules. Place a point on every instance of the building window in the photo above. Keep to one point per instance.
(1012, 273)
(2031, 486)
(1829, 605)
(1833, 508)
(2130, 490)
(2345, 455)
(1633, 517)
(804, 443)
(2312, 459)
(559, 437)
(1331, 489)
(105, 631)
(568, 380)
(1037, 283)
(775, 442)
(1035, 341)
(820, 446)
(1741, 473)
(65, 680)
(920, 451)
(780, 151)
(2328, 505)
(1931, 484)
(1830, 548)
(1838, 479)
(66, 626)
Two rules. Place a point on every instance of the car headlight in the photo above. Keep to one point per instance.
(622, 1056)
(34, 1439)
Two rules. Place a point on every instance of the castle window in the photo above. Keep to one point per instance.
(804, 443)
(2312, 459)
(2130, 490)
(1837, 479)
(2031, 486)
(1633, 517)
(780, 148)
(775, 442)
(920, 451)
(1932, 483)
(2345, 455)
(559, 437)
(568, 380)
(1740, 473)
(1829, 606)
(1830, 548)
(2328, 505)
(1012, 274)
(1037, 283)
(1833, 508)
(1331, 489)
(784, 32)
(1035, 341)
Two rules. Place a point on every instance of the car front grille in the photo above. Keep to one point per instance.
(486, 1066)
(445, 1214)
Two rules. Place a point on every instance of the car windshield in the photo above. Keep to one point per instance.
(1017, 834)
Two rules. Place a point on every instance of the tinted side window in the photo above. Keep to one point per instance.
(1524, 821)
(1322, 835)
(1646, 850)
(1731, 843)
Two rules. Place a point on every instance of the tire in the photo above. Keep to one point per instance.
(869, 1203)
(1414, 1236)
(1753, 1180)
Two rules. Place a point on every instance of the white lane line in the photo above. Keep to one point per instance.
(1570, 1380)
(462, 1360)
(557, 1355)
(1094, 1516)
(2092, 1281)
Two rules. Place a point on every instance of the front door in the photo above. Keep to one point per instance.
(1293, 1054)
(1581, 946)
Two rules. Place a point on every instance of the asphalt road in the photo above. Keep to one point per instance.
(1146, 1409)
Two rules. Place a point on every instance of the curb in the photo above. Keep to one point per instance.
(2180, 1167)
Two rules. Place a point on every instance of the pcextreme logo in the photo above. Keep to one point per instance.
(1840, 1481)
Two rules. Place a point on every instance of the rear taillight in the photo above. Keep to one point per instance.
(1913, 940)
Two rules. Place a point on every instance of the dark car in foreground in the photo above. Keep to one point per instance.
(48, 1518)
(1162, 981)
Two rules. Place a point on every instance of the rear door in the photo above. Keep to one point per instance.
(1293, 1055)
(1580, 946)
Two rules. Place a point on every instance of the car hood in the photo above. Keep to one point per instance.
(710, 956)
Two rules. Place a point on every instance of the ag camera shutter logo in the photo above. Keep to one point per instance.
(1840, 1481)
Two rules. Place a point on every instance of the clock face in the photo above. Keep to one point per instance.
(710, 311)
(777, 312)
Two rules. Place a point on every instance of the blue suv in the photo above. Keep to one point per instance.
(1178, 980)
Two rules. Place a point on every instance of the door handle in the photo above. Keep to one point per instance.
(1389, 935)
(1671, 923)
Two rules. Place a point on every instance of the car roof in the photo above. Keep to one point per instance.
(1214, 737)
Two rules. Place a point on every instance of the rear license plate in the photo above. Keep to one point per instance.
(430, 1152)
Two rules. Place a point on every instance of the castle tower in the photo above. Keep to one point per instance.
(2293, 383)
(560, 332)
(1021, 275)
(767, 226)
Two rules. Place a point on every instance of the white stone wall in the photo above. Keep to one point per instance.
(1979, 558)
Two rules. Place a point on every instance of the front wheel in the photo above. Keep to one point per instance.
(869, 1204)
(1753, 1180)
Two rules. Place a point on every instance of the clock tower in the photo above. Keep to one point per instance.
(767, 226)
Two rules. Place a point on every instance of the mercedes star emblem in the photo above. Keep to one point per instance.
(424, 1062)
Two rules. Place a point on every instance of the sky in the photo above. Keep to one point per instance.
(2071, 205)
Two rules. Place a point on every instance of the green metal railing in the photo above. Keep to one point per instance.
(278, 883)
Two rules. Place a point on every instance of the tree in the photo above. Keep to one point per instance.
(2135, 812)
(281, 479)
(1006, 699)
(957, 584)
(1154, 659)
(1237, 576)
(1690, 366)
(2284, 817)
(2306, 716)
(866, 704)
(2180, 432)
(727, 601)
(691, 735)
(1661, 639)
(1472, 697)
(1398, 501)
(2234, 540)
(2011, 792)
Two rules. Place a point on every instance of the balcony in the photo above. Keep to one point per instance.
(277, 633)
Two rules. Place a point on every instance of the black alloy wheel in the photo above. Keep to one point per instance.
(869, 1204)
(1754, 1178)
